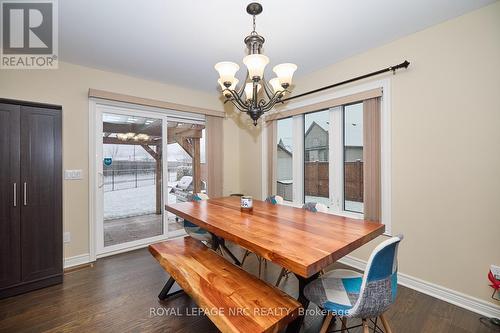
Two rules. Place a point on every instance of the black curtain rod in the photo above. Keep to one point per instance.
(404, 64)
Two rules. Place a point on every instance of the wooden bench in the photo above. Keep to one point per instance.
(235, 300)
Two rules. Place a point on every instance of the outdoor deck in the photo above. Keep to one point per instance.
(121, 230)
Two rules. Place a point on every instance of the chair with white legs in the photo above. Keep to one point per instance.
(274, 200)
(349, 294)
(311, 207)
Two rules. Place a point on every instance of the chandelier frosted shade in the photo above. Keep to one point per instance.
(227, 70)
(256, 63)
(231, 87)
(284, 72)
(249, 90)
(276, 85)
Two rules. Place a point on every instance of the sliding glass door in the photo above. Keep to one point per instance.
(144, 159)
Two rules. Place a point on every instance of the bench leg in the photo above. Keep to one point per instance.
(166, 288)
(297, 323)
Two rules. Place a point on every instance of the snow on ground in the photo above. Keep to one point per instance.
(351, 206)
(131, 202)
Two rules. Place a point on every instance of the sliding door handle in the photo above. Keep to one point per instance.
(25, 194)
(15, 194)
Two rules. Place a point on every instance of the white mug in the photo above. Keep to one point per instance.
(246, 202)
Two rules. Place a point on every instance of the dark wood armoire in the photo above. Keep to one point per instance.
(31, 253)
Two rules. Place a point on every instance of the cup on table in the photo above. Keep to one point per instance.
(246, 202)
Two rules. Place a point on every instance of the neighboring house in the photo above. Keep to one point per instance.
(284, 170)
(353, 153)
(316, 144)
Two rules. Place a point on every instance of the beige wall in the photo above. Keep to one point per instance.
(68, 86)
(445, 148)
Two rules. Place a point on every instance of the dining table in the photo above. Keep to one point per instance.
(301, 241)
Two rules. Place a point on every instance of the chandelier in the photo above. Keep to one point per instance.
(246, 97)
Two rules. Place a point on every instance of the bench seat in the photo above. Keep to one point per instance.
(236, 300)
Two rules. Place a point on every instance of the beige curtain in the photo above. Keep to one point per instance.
(271, 128)
(371, 166)
(214, 142)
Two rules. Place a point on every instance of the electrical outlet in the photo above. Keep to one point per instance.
(73, 174)
(67, 237)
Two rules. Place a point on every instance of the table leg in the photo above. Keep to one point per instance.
(225, 249)
(297, 323)
(221, 243)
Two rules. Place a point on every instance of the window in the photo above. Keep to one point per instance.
(353, 157)
(320, 158)
(316, 166)
(284, 167)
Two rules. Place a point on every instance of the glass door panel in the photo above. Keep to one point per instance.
(131, 182)
(187, 168)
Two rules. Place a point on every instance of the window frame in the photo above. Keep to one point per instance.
(336, 151)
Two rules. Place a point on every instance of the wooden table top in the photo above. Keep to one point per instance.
(301, 241)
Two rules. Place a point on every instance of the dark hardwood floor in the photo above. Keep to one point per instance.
(119, 294)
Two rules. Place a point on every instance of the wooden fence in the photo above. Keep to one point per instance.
(316, 180)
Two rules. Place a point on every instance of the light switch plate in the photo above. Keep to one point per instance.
(66, 237)
(73, 174)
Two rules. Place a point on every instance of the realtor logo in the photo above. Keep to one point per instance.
(29, 34)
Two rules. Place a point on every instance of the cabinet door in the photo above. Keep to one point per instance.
(41, 188)
(10, 244)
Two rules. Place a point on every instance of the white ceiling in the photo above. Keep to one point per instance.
(179, 41)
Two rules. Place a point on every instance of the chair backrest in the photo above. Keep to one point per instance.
(275, 199)
(202, 196)
(315, 207)
(379, 285)
(185, 182)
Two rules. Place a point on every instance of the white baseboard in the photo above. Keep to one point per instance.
(76, 260)
(448, 295)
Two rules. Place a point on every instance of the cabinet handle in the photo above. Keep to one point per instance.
(25, 195)
(15, 194)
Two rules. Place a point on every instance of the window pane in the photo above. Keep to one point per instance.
(353, 157)
(284, 171)
(316, 153)
(133, 194)
(184, 160)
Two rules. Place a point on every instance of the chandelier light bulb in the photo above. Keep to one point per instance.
(284, 72)
(256, 63)
(227, 70)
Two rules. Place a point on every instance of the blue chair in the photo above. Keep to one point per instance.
(349, 294)
(314, 207)
(192, 229)
(274, 200)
